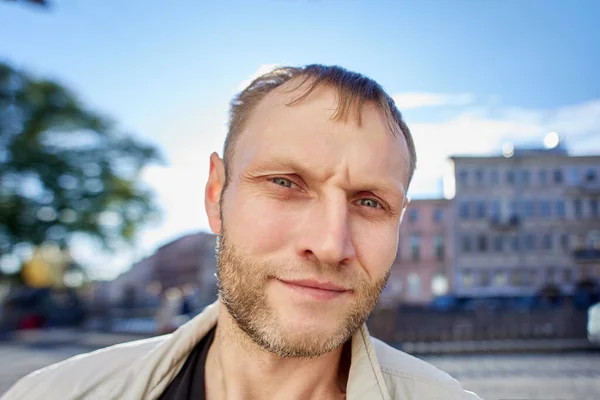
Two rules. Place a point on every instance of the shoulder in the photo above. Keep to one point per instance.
(81, 375)
(410, 377)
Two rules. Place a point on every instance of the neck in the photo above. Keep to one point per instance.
(237, 368)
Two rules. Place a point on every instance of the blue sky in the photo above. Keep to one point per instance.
(468, 75)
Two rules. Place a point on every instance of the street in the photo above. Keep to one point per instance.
(557, 376)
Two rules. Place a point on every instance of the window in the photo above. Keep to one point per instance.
(528, 208)
(564, 241)
(499, 244)
(496, 210)
(594, 208)
(515, 244)
(482, 243)
(467, 247)
(481, 209)
(463, 210)
(547, 241)
(494, 178)
(467, 278)
(500, 278)
(545, 209)
(558, 176)
(590, 176)
(578, 208)
(463, 177)
(479, 177)
(560, 209)
(414, 241)
(525, 177)
(514, 208)
(438, 243)
(414, 285)
(510, 177)
(437, 215)
(529, 241)
(516, 277)
(413, 214)
(593, 239)
(550, 274)
(543, 177)
(439, 285)
(573, 176)
(567, 275)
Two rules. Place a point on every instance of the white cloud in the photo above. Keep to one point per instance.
(481, 131)
(263, 69)
(409, 100)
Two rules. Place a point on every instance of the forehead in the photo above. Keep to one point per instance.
(307, 132)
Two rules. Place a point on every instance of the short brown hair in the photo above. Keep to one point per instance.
(353, 90)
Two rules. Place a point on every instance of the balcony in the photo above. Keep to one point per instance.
(505, 223)
(587, 255)
(583, 188)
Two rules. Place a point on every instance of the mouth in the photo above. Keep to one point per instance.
(315, 289)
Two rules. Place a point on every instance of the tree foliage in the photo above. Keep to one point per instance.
(65, 169)
(42, 3)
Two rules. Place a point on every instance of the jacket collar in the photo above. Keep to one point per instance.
(365, 380)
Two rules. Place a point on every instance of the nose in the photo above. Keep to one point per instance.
(327, 234)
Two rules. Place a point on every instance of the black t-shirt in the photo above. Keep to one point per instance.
(189, 382)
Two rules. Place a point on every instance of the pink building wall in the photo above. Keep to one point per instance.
(412, 279)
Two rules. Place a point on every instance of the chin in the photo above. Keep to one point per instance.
(297, 331)
(310, 323)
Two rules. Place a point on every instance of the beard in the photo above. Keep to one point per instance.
(242, 283)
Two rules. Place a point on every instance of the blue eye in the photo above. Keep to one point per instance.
(282, 182)
(369, 203)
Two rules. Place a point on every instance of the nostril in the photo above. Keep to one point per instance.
(309, 253)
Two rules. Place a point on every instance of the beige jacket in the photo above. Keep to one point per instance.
(143, 369)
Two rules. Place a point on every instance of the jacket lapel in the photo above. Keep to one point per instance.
(365, 381)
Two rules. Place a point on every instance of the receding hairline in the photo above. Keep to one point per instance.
(303, 86)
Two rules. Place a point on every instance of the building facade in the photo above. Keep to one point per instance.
(422, 267)
(525, 221)
(187, 264)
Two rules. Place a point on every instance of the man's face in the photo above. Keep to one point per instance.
(309, 222)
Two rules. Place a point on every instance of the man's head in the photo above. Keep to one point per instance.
(307, 203)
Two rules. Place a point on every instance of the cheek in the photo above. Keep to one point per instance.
(376, 246)
(259, 225)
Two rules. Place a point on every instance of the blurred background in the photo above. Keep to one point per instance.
(109, 111)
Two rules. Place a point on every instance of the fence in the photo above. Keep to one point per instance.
(424, 325)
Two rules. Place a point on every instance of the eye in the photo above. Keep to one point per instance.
(369, 203)
(282, 182)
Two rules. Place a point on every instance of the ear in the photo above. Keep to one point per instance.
(404, 207)
(213, 192)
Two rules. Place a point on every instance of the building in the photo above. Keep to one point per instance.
(524, 221)
(423, 261)
(187, 263)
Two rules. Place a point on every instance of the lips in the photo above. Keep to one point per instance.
(314, 284)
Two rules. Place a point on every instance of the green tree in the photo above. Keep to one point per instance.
(42, 3)
(66, 170)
